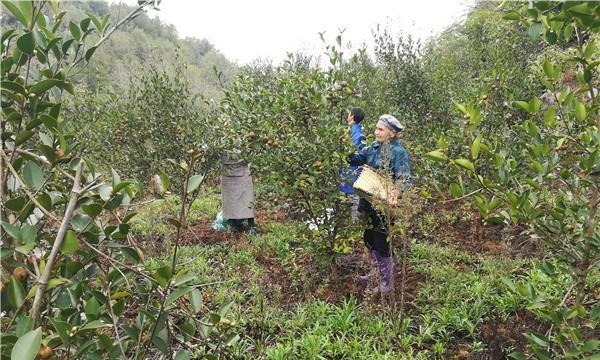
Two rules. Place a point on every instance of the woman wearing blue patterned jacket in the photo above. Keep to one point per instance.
(388, 154)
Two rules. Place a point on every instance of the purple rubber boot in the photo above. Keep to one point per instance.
(386, 267)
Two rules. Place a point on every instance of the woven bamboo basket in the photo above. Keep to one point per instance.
(373, 186)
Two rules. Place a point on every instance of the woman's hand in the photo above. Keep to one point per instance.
(393, 197)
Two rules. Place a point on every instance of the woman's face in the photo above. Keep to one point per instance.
(383, 134)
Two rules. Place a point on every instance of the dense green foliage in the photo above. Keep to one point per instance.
(74, 282)
(547, 177)
(281, 119)
(137, 132)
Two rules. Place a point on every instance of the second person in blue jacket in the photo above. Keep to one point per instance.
(354, 119)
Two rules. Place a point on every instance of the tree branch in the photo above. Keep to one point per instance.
(60, 236)
(44, 161)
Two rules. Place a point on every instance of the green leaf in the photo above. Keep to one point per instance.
(44, 85)
(80, 222)
(159, 340)
(534, 105)
(163, 275)
(590, 49)
(580, 113)
(45, 200)
(62, 329)
(104, 22)
(548, 68)
(33, 175)
(54, 282)
(442, 142)
(522, 104)
(25, 249)
(105, 192)
(96, 21)
(23, 136)
(26, 8)
(461, 108)
(121, 185)
(232, 339)
(214, 318)
(26, 43)
(90, 52)
(49, 121)
(538, 339)
(132, 253)
(436, 155)
(194, 182)
(28, 233)
(590, 345)
(84, 24)
(16, 293)
(115, 177)
(129, 216)
(494, 203)
(12, 231)
(27, 347)
(16, 12)
(541, 353)
(70, 244)
(176, 294)
(184, 277)
(164, 178)
(6, 252)
(595, 312)
(47, 141)
(196, 300)
(13, 86)
(16, 204)
(33, 124)
(7, 34)
(92, 308)
(550, 117)
(92, 209)
(535, 30)
(224, 310)
(568, 32)
(75, 31)
(69, 87)
(24, 325)
(182, 355)
(455, 190)
(132, 332)
(512, 15)
(475, 147)
(551, 37)
(587, 75)
(464, 163)
(96, 324)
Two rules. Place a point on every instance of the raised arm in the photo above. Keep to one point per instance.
(358, 139)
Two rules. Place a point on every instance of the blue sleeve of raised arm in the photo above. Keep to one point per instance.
(358, 139)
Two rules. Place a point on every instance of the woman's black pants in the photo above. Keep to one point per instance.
(375, 235)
